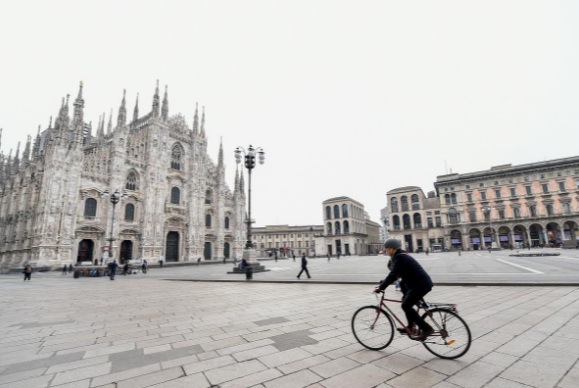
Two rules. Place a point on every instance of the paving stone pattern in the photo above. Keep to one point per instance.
(146, 332)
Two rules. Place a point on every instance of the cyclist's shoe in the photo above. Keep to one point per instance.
(401, 330)
(423, 334)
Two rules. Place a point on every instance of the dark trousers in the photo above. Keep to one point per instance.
(27, 276)
(411, 297)
(307, 272)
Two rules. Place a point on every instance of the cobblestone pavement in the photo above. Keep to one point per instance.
(139, 331)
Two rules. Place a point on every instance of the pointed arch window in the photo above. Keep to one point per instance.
(90, 208)
(208, 197)
(131, 183)
(175, 196)
(176, 155)
(226, 223)
(129, 212)
(208, 220)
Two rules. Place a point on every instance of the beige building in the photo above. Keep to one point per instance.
(415, 219)
(507, 206)
(348, 229)
(286, 240)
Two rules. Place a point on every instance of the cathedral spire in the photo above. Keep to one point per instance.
(196, 121)
(203, 123)
(165, 107)
(122, 116)
(220, 165)
(78, 118)
(110, 124)
(136, 111)
(36, 146)
(26, 155)
(156, 101)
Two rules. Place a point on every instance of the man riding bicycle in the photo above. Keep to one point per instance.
(418, 283)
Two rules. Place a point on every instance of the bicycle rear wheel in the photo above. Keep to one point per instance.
(451, 338)
(373, 327)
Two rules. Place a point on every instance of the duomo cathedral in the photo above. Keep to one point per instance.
(175, 204)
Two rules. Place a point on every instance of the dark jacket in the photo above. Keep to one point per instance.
(304, 262)
(406, 267)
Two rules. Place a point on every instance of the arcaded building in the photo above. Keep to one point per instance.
(176, 204)
(507, 206)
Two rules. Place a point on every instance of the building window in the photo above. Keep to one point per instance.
(336, 211)
(513, 192)
(344, 210)
(549, 210)
(404, 203)
(483, 195)
(329, 227)
(469, 197)
(406, 221)
(176, 157)
(430, 223)
(438, 221)
(394, 203)
(131, 183)
(396, 222)
(487, 214)
(336, 227)
(208, 220)
(90, 208)
(346, 227)
(417, 221)
(328, 213)
(453, 198)
(129, 212)
(517, 212)
(453, 216)
(226, 223)
(533, 210)
(562, 186)
(566, 208)
(528, 190)
(545, 187)
(472, 215)
(175, 196)
(415, 202)
(447, 199)
(208, 197)
(501, 214)
(497, 193)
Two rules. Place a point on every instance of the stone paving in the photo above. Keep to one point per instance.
(140, 331)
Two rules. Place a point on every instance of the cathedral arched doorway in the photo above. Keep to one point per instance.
(85, 251)
(172, 247)
(226, 250)
(536, 235)
(207, 251)
(126, 251)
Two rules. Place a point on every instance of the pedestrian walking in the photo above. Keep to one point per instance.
(70, 268)
(161, 261)
(338, 255)
(112, 266)
(27, 272)
(294, 256)
(64, 269)
(304, 266)
(126, 268)
(144, 266)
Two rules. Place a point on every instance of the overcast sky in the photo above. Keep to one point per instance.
(348, 98)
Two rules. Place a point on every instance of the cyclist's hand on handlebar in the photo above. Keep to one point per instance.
(377, 290)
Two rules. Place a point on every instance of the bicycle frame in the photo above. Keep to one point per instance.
(422, 305)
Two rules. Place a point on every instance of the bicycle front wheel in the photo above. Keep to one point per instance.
(373, 327)
(451, 338)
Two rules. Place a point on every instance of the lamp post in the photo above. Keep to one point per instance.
(114, 198)
(249, 157)
(487, 210)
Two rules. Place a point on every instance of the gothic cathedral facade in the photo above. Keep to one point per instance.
(175, 203)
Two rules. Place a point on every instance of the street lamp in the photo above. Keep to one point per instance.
(115, 198)
(249, 157)
(487, 210)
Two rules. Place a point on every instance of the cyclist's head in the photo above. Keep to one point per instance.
(392, 243)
